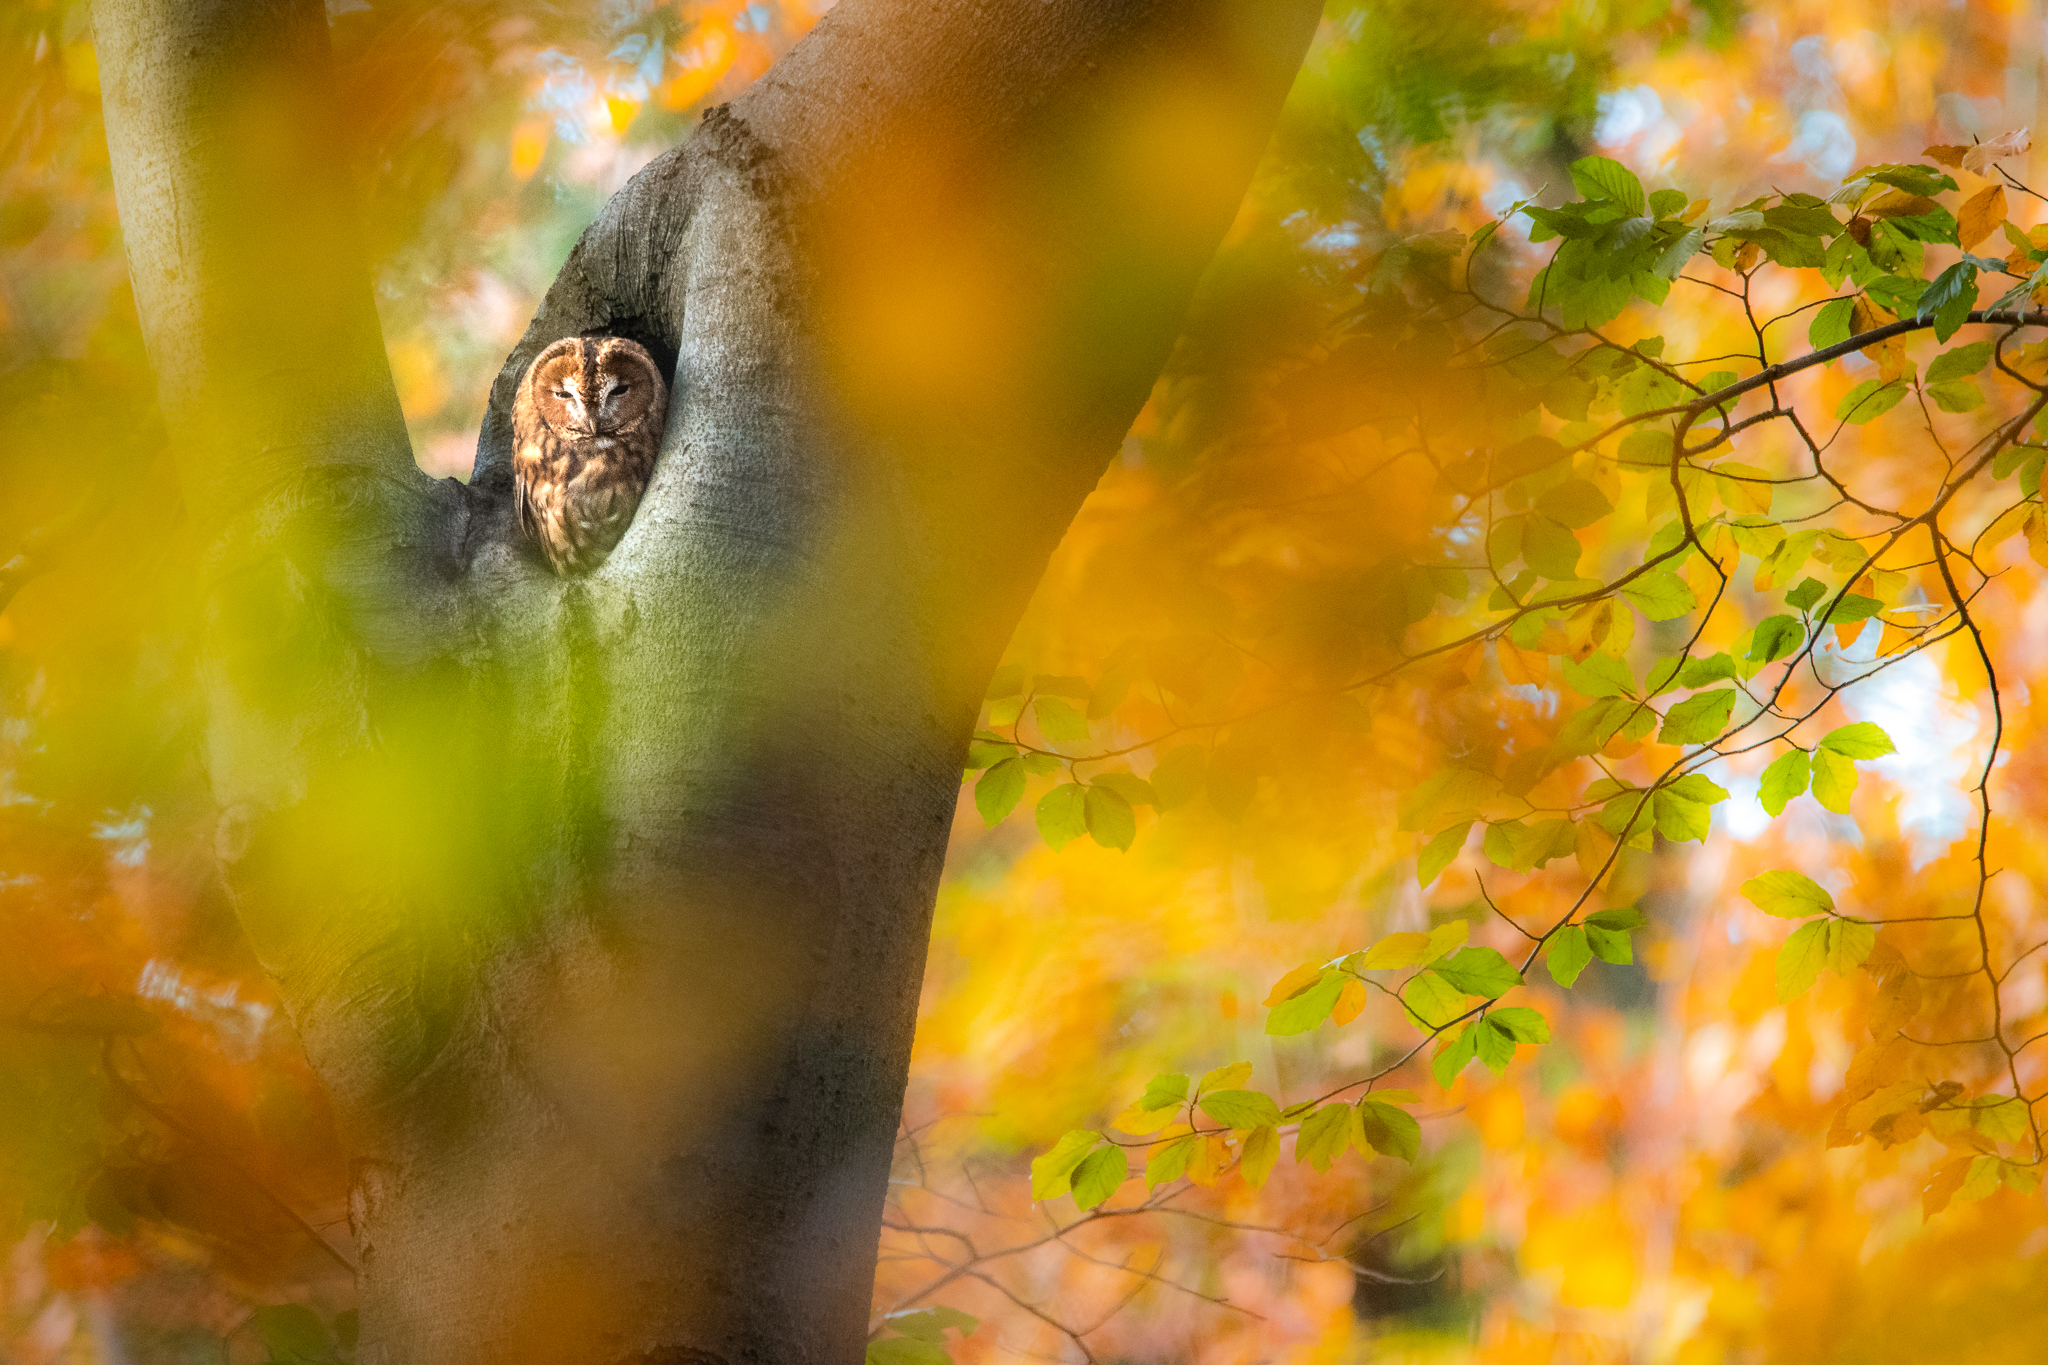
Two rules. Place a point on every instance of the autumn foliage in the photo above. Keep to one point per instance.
(1508, 832)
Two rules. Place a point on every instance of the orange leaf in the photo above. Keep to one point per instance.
(1521, 665)
(2037, 534)
(1350, 1001)
(1947, 154)
(1947, 1179)
(1980, 215)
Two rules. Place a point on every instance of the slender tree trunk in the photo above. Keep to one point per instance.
(601, 905)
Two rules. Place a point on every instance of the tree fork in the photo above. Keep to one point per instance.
(601, 906)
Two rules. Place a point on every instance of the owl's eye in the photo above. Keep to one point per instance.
(561, 393)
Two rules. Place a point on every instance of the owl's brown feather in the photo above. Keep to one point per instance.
(586, 425)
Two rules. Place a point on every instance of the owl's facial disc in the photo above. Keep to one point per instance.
(611, 403)
(567, 391)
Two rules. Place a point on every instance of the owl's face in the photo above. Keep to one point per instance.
(588, 387)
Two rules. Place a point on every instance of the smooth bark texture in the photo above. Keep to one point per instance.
(602, 905)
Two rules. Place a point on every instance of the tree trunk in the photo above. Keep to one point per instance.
(601, 904)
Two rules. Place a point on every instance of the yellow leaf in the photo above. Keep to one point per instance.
(1350, 1001)
(1141, 1121)
(1211, 1159)
(1295, 982)
(2037, 534)
(1865, 316)
(1744, 488)
(1395, 950)
(2008, 524)
(1591, 846)
(1980, 215)
(1445, 937)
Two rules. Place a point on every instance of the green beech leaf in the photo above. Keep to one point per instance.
(1550, 548)
(1783, 780)
(1611, 945)
(1849, 941)
(1861, 740)
(1101, 1173)
(1240, 1108)
(1958, 363)
(1520, 1023)
(1599, 675)
(1109, 817)
(1834, 780)
(1438, 853)
(1479, 971)
(1788, 894)
(1300, 1013)
(1805, 593)
(2002, 1118)
(1660, 595)
(1050, 1172)
(1134, 789)
(1567, 954)
(1451, 1058)
(1958, 395)
(1178, 775)
(986, 750)
(1621, 917)
(1574, 503)
(1060, 720)
(1830, 326)
(1950, 298)
(1062, 814)
(1171, 1161)
(1853, 608)
(1800, 960)
(1255, 1159)
(1712, 669)
(1682, 809)
(1698, 719)
(1432, 999)
(1776, 637)
(1870, 400)
(1494, 1048)
(1323, 1136)
(999, 790)
(1388, 1130)
(1600, 177)
(1164, 1091)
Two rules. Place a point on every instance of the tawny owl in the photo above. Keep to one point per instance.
(585, 428)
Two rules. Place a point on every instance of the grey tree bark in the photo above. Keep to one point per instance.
(601, 906)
